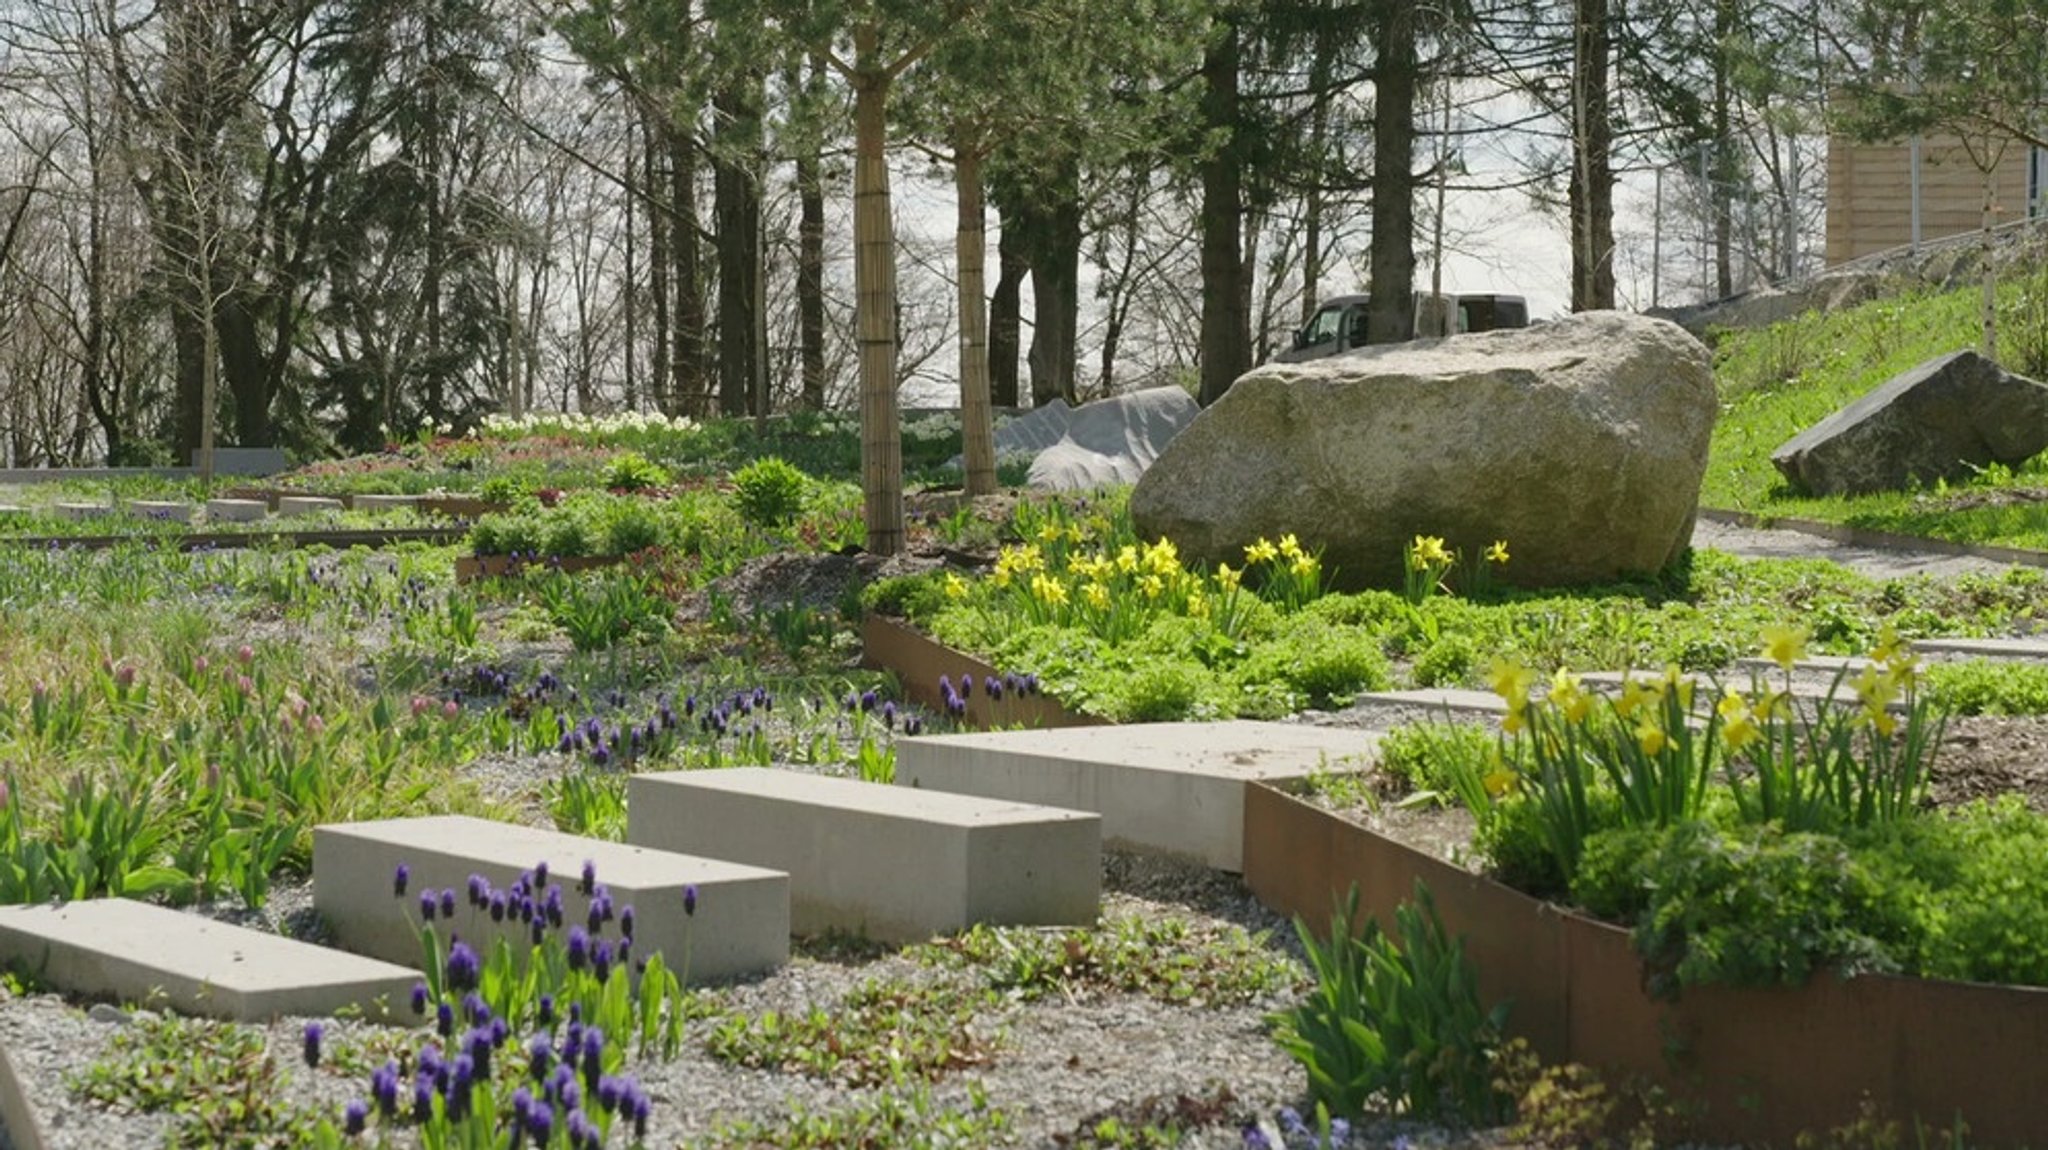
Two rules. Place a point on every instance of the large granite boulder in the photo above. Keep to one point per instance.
(1109, 441)
(1581, 443)
(1936, 421)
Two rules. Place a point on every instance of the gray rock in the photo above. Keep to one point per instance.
(108, 1013)
(1581, 443)
(1934, 422)
(1108, 441)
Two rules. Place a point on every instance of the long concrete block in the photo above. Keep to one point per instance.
(81, 511)
(306, 505)
(741, 924)
(160, 509)
(890, 862)
(1176, 788)
(140, 953)
(385, 502)
(236, 510)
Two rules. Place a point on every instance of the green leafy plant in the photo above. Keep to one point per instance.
(632, 471)
(882, 1032)
(1394, 1020)
(1984, 687)
(770, 492)
(1165, 959)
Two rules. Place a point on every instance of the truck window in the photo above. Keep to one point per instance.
(1322, 328)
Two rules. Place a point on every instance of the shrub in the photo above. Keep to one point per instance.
(917, 597)
(770, 491)
(1445, 662)
(1394, 1018)
(1432, 756)
(632, 471)
(633, 525)
(1982, 687)
(1755, 906)
(1329, 665)
(1972, 883)
(1156, 691)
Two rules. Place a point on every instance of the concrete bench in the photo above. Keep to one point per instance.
(890, 862)
(741, 924)
(236, 510)
(307, 505)
(1174, 788)
(141, 953)
(81, 511)
(385, 502)
(158, 509)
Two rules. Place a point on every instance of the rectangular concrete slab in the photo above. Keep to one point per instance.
(141, 953)
(889, 862)
(1707, 690)
(80, 510)
(386, 502)
(1458, 699)
(1982, 648)
(160, 509)
(236, 510)
(1176, 788)
(306, 505)
(741, 925)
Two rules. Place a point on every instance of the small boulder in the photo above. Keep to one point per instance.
(1934, 422)
(1108, 441)
(1582, 443)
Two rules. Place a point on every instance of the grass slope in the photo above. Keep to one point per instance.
(1777, 381)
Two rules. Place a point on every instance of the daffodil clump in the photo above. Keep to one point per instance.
(1427, 563)
(1287, 574)
(1650, 756)
(1113, 595)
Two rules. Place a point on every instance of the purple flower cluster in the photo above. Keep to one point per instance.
(955, 698)
(613, 744)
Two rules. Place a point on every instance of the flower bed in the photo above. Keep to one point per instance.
(1757, 1064)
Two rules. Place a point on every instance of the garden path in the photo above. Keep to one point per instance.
(1876, 562)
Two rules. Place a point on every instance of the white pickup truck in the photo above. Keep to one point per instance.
(1339, 325)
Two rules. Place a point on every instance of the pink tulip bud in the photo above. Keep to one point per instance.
(450, 709)
(315, 724)
(4, 795)
(213, 776)
(199, 665)
(124, 675)
(246, 653)
(40, 688)
(420, 703)
(244, 684)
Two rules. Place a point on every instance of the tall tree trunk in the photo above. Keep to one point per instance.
(689, 372)
(660, 264)
(1721, 196)
(1390, 316)
(1226, 328)
(629, 291)
(977, 423)
(1592, 184)
(1318, 139)
(247, 370)
(874, 286)
(736, 207)
(1006, 309)
(810, 265)
(1056, 289)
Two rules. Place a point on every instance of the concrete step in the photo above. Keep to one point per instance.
(1176, 788)
(893, 863)
(2029, 649)
(1460, 700)
(1707, 689)
(386, 502)
(289, 505)
(236, 510)
(81, 511)
(161, 509)
(141, 953)
(741, 924)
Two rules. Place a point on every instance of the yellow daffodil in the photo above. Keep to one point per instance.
(1097, 595)
(1882, 721)
(1676, 680)
(1499, 781)
(1784, 644)
(1127, 559)
(1429, 549)
(1498, 553)
(1635, 695)
(1876, 689)
(956, 587)
(1570, 699)
(1048, 590)
(1226, 578)
(1511, 681)
(1261, 552)
(1152, 585)
(1290, 547)
(1889, 645)
(1050, 533)
(1517, 718)
(1651, 739)
(1198, 607)
(1304, 565)
(1738, 724)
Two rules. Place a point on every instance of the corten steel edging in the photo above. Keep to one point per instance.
(1862, 537)
(917, 661)
(230, 540)
(470, 568)
(1758, 1066)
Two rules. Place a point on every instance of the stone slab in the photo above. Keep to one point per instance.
(1706, 688)
(741, 925)
(1983, 648)
(892, 863)
(307, 505)
(80, 510)
(1174, 788)
(161, 509)
(1460, 699)
(386, 502)
(141, 953)
(237, 510)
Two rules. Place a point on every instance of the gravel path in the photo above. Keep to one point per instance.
(1876, 562)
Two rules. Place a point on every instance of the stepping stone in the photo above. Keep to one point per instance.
(237, 510)
(741, 925)
(1983, 648)
(160, 510)
(141, 953)
(289, 505)
(892, 863)
(1461, 699)
(1175, 788)
(81, 511)
(386, 502)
